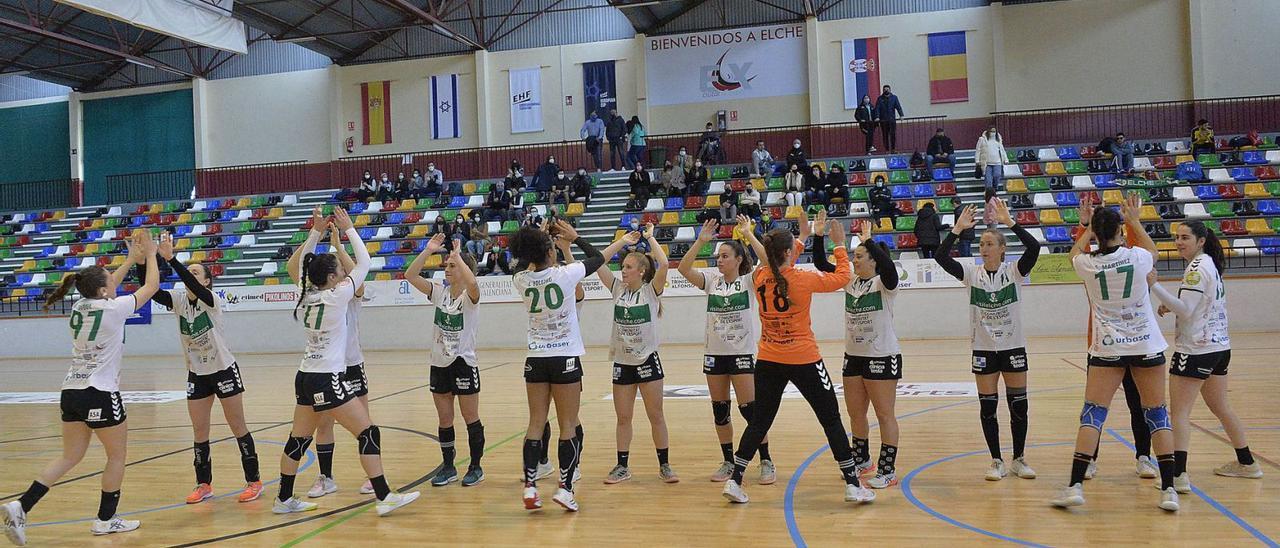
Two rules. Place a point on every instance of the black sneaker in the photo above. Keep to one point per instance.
(445, 476)
(474, 475)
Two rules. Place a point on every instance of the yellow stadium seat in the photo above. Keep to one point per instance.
(181, 243)
(434, 261)
(97, 224)
(921, 203)
(362, 220)
(670, 218)
(275, 213)
(1050, 217)
(419, 231)
(700, 263)
(1054, 168)
(27, 265)
(408, 204)
(713, 201)
(373, 247)
(116, 261)
(1256, 190)
(1112, 197)
(271, 281)
(91, 249)
(468, 188)
(1168, 250)
(886, 225)
(382, 276)
(575, 209)
(1183, 158)
(793, 212)
(197, 257)
(1173, 227)
(19, 293)
(1149, 213)
(1257, 226)
(618, 234)
(244, 203)
(666, 250)
(156, 209)
(184, 219)
(1016, 185)
(759, 184)
(59, 215)
(465, 213)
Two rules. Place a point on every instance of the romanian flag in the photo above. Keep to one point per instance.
(375, 112)
(948, 69)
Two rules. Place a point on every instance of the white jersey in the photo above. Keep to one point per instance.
(354, 355)
(731, 315)
(97, 342)
(1205, 330)
(325, 318)
(868, 319)
(454, 328)
(200, 330)
(635, 323)
(553, 326)
(1124, 324)
(995, 310)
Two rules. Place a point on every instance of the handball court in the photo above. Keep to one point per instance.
(942, 497)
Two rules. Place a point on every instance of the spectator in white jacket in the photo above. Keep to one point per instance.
(990, 157)
(761, 161)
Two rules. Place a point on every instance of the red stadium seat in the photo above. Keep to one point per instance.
(908, 241)
(1027, 218)
(1230, 192)
(694, 202)
(906, 206)
(1032, 169)
(857, 178)
(945, 189)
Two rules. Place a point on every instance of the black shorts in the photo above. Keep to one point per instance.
(986, 362)
(743, 364)
(357, 382)
(458, 378)
(322, 391)
(553, 369)
(883, 368)
(649, 371)
(1135, 360)
(1200, 366)
(224, 384)
(93, 407)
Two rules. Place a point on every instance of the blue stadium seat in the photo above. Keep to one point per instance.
(388, 249)
(394, 263)
(23, 279)
(229, 240)
(459, 202)
(395, 219)
(923, 190)
(1068, 153)
(1105, 180)
(419, 246)
(35, 293)
(1243, 174)
(886, 239)
(1208, 192)
(1254, 157)
(1057, 234)
(367, 234)
(137, 221)
(675, 203)
(779, 169)
(1066, 199)
(182, 230)
(47, 251)
(901, 192)
(212, 205)
(1269, 207)
(227, 216)
(358, 208)
(322, 248)
(898, 162)
(943, 174)
(1270, 246)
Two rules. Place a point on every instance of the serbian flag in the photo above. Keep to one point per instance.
(861, 62)
(375, 112)
(948, 69)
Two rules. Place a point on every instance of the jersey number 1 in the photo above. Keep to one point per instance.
(552, 297)
(77, 321)
(306, 318)
(1128, 282)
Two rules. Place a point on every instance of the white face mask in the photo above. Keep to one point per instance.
(795, 145)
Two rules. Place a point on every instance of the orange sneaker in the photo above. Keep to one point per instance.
(201, 493)
(251, 492)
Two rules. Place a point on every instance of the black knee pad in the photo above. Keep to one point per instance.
(748, 410)
(475, 428)
(720, 411)
(370, 441)
(296, 447)
(987, 405)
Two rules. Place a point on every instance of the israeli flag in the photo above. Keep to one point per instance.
(444, 102)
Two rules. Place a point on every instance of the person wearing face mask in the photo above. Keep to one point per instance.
(559, 189)
(386, 189)
(545, 176)
(761, 161)
(683, 161)
(515, 177)
(887, 111)
(403, 186)
(709, 149)
(580, 187)
(435, 180)
(592, 134)
(749, 202)
(990, 156)
(880, 198)
(837, 185)
(616, 132)
(459, 232)
(794, 185)
(418, 185)
(866, 118)
(672, 179)
(498, 203)
(797, 156)
(368, 187)
(697, 179)
(635, 135)
(728, 205)
(815, 184)
(640, 182)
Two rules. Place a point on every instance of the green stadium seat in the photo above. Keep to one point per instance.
(425, 203)
(510, 227)
(1037, 184)
(720, 173)
(775, 183)
(449, 215)
(1076, 166)
(945, 205)
(254, 281)
(900, 177)
(297, 238)
(231, 255)
(530, 197)
(858, 194)
(483, 188)
(1208, 160)
(1070, 216)
(1275, 224)
(905, 223)
(1219, 209)
(1215, 227)
(689, 217)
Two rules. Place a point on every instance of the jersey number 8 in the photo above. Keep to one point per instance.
(552, 298)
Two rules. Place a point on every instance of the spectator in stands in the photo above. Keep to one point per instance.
(940, 150)
(529, 216)
(498, 202)
(461, 229)
(965, 241)
(440, 227)
(749, 202)
(815, 185)
(580, 187)
(368, 187)
(698, 179)
(837, 185)
(592, 134)
(793, 185)
(1122, 150)
(683, 161)
(765, 225)
(479, 241)
(496, 263)
(636, 134)
(640, 182)
(403, 187)
(435, 179)
(417, 185)
(1202, 138)
(797, 157)
(545, 175)
(615, 130)
(559, 189)
(761, 161)
(728, 205)
(928, 227)
(709, 149)
(990, 156)
(887, 111)
(515, 177)
(866, 118)
(880, 200)
(672, 179)
(386, 189)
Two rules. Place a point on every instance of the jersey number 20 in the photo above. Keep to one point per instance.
(552, 298)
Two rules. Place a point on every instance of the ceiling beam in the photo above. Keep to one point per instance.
(525, 22)
(419, 14)
(688, 7)
(122, 55)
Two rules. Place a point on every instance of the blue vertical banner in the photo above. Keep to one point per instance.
(599, 88)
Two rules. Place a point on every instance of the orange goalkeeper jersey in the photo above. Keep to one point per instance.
(786, 333)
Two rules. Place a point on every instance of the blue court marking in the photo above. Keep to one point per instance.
(1222, 509)
(311, 457)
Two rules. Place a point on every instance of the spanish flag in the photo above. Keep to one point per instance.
(948, 69)
(375, 112)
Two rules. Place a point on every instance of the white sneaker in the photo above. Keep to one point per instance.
(768, 472)
(367, 488)
(1169, 500)
(544, 469)
(857, 493)
(733, 491)
(564, 497)
(323, 486)
(531, 499)
(1069, 496)
(723, 473)
(114, 525)
(1021, 469)
(1182, 483)
(1234, 469)
(882, 481)
(996, 471)
(1091, 471)
(395, 500)
(292, 505)
(1145, 468)
(15, 522)
(864, 468)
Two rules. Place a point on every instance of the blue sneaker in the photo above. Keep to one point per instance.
(474, 475)
(445, 476)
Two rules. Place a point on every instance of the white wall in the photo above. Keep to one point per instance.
(1058, 310)
(410, 104)
(1234, 52)
(270, 118)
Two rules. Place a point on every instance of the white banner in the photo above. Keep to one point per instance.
(526, 100)
(444, 107)
(724, 65)
(198, 21)
(905, 390)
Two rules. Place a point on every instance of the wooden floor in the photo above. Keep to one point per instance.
(942, 498)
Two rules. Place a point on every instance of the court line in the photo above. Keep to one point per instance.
(1221, 508)
(1227, 441)
(311, 457)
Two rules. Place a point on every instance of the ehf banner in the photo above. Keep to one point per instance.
(599, 88)
(723, 65)
(526, 100)
(861, 61)
(444, 107)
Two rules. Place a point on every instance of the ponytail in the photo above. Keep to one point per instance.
(89, 282)
(302, 292)
(776, 244)
(61, 292)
